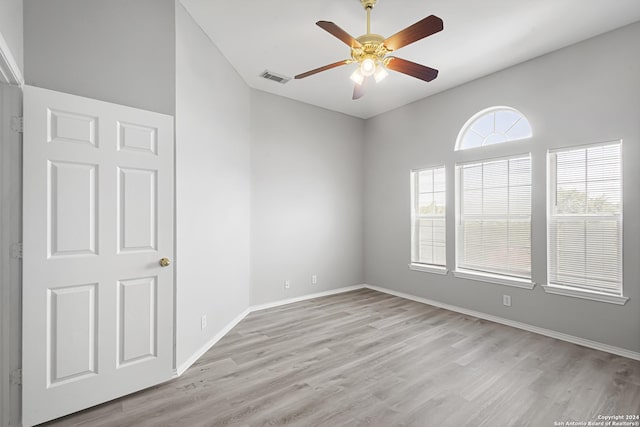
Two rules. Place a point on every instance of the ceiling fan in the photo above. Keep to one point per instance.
(370, 51)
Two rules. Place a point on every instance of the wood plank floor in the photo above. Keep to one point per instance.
(364, 358)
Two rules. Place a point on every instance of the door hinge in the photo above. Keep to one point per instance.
(16, 250)
(16, 377)
(17, 124)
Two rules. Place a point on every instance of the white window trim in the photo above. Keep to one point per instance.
(416, 266)
(428, 268)
(498, 279)
(569, 291)
(479, 114)
(584, 294)
(494, 278)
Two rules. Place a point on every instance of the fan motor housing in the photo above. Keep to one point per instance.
(372, 46)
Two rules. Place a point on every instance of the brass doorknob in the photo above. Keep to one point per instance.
(164, 262)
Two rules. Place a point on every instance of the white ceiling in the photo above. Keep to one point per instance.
(479, 38)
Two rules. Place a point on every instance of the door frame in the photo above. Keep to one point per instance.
(11, 82)
(11, 264)
(9, 71)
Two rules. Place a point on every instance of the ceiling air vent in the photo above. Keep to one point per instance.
(275, 77)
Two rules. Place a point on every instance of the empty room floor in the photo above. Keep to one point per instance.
(371, 359)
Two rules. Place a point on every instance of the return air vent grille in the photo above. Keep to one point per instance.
(279, 78)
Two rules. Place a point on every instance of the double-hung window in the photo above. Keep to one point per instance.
(428, 222)
(493, 224)
(585, 222)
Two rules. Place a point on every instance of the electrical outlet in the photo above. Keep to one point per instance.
(314, 280)
(287, 284)
(203, 321)
(506, 300)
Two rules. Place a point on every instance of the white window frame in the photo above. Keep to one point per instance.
(415, 265)
(479, 115)
(576, 291)
(496, 278)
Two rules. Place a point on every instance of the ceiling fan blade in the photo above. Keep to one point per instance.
(421, 29)
(338, 32)
(412, 69)
(326, 67)
(359, 89)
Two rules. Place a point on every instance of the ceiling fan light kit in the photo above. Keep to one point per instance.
(370, 51)
(357, 77)
(380, 74)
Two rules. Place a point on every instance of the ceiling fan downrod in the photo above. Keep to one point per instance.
(370, 51)
(368, 5)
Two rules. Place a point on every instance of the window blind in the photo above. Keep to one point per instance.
(428, 219)
(585, 221)
(494, 217)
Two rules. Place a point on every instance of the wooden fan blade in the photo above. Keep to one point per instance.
(318, 70)
(412, 69)
(421, 29)
(359, 89)
(339, 33)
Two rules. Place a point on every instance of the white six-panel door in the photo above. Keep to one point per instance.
(98, 217)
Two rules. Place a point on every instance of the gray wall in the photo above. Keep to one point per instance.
(589, 92)
(11, 28)
(119, 51)
(213, 188)
(306, 198)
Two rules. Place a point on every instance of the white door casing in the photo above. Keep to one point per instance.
(98, 217)
(10, 232)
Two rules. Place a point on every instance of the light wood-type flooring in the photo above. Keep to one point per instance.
(365, 358)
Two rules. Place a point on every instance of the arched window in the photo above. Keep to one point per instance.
(493, 126)
(493, 202)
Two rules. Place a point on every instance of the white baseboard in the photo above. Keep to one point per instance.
(305, 297)
(224, 331)
(524, 326)
(198, 354)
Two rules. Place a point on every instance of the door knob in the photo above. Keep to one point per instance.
(164, 262)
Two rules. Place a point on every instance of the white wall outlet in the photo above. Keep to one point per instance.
(287, 284)
(203, 321)
(506, 300)
(314, 280)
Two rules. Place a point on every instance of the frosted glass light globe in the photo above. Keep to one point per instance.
(380, 74)
(357, 77)
(368, 67)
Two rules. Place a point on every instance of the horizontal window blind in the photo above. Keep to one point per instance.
(428, 229)
(585, 221)
(494, 217)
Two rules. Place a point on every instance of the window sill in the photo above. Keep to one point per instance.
(494, 278)
(584, 294)
(426, 268)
